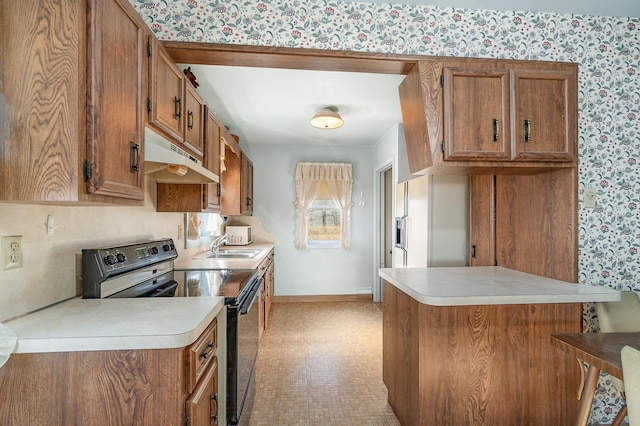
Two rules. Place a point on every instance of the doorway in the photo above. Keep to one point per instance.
(384, 214)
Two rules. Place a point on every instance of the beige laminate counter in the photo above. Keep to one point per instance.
(489, 285)
(115, 324)
(190, 263)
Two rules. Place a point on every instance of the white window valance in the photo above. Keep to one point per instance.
(339, 179)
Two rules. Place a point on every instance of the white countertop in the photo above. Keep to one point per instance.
(189, 263)
(115, 324)
(489, 285)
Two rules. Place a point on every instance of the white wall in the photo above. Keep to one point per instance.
(315, 271)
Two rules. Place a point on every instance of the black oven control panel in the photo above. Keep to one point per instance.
(100, 264)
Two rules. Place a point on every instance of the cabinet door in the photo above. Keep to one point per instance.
(115, 114)
(194, 120)
(212, 153)
(476, 114)
(269, 282)
(40, 100)
(166, 93)
(202, 404)
(246, 185)
(543, 122)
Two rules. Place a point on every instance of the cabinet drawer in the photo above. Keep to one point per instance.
(200, 354)
(264, 265)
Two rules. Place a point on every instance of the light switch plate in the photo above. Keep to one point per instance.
(11, 252)
(590, 197)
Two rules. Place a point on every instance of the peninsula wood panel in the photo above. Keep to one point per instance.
(97, 388)
(480, 365)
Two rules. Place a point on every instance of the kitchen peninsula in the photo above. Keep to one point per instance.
(471, 345)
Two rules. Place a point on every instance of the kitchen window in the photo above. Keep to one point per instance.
(323, 205)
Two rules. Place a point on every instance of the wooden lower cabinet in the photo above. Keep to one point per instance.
(266, 271)
(202, 405)
(478, 365)
(120, 387)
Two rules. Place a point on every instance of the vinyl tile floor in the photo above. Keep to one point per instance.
(321, 364)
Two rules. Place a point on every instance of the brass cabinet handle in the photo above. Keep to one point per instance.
(527, 130)
(213, 408)
(134, 157)
(496, 129)
(190, 120)
(206, 351)
(177, 108)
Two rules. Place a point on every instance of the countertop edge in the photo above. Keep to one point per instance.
(152, 340)
(595, 294)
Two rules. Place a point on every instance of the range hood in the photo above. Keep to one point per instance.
(171, 164)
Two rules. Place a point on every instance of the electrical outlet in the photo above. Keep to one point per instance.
(590, 197)
(12, 252)
(180, 231)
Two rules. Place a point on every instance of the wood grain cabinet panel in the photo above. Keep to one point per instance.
(74, 74)
(543, 130)
(166, 92)
(480, 116)
(194, 120)
(236, 181)
(202, 405)
(115, 114)
(476, 114)
(478, 365)
(118, 387)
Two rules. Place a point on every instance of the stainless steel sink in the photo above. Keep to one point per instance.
(230, 254)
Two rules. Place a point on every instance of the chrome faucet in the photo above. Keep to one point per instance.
(217, 242)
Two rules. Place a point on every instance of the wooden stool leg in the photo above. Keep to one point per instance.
(587, 395)
(620, 416)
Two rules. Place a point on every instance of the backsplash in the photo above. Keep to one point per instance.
(50, 262)
(607, 50)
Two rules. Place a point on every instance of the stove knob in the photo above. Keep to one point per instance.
(121, 257)
(166, 247)
(110, 259)
(154, 250)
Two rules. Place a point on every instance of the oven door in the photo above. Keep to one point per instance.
(242, 338)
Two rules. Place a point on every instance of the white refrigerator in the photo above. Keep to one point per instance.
(431, 222)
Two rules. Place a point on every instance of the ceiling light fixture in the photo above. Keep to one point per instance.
(328, 118)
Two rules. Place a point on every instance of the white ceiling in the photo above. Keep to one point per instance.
(264, 105)
(274, 105)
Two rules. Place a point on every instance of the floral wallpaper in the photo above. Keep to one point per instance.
(607, 50)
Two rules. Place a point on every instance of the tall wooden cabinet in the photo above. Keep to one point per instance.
(74, 82)
(115, 93)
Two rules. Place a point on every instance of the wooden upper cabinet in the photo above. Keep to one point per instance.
(476, 114)
(193, 119)
(115, 110)
(480, 115)
(212, 154)
(74, 96)
(236, 179)
(166, 92)
(543, 118)
(246, 185)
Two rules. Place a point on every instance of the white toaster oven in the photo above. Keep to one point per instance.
(238, 235)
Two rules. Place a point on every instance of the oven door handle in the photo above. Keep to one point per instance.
(167, 291)
(248, 302)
